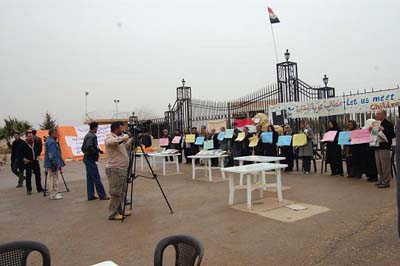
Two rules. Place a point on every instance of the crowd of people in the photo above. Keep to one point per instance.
(361, 159)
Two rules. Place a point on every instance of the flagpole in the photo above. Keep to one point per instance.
(273, 38)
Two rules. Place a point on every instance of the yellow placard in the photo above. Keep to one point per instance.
(299, 140)
(240, 136)
(253, 141)
(190, 138)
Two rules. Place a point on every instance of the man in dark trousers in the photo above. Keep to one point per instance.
(16, 164)
(382, 152)
(31, 164)
(91, 151)
(38, 143)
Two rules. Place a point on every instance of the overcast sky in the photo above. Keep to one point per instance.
(51, 51)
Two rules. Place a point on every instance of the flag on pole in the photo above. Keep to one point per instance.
(272, 17)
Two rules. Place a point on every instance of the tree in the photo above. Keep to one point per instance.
(11, 125)
(48, 122)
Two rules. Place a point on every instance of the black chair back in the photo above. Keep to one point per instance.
(189, 251)
(16, 253)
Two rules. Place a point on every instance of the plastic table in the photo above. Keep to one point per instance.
(164, 162)
(207, 165)
(252, 173)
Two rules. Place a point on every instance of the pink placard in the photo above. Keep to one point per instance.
(176, 140)
(329, 136)
(164, 142)
(360, 136)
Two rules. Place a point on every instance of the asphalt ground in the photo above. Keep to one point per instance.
(359, 229)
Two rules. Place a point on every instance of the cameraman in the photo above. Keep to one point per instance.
(117, 169)
(91, 151)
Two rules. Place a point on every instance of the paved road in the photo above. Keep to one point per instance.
(360, 229)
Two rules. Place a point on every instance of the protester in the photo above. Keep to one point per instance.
(382, 152)
(287, 151)
(178, 146)
(53, 163)
(270, 149)
(236, 145)
(214, 138)
(334, 151)
(195, 148)
(225, 146)
(165, 135)
(306, 152)
(352, 155)
(31, 164)
(16, 164)
(397, 153)
(91, 151)
(259, 149)
(246, 150)
(117, 163)
(204, 133)
(187, 147)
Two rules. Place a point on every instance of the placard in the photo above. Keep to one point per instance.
(299, 140)
(266, 137)
(199, 140)
(208, 145)
(176, 140)
(190, 138)
(344, 138)
(163, 142)
(240, 136)
(360, 136)
(284, 140)
(253, 141)
(229, 133)
(329, 136)
(221, 136)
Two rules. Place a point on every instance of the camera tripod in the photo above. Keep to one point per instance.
(131, 175)
(46, 172)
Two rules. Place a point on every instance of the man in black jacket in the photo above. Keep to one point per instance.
(38, 143)
(29, 157)
(90, 149)
(16, 165)
(382, 152)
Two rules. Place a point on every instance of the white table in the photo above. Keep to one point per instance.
(141, 160)
(252, 173)
(106, 263)
(207, 165)
(164, 162)
(257, 159)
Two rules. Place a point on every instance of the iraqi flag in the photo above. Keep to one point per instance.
(272, 17)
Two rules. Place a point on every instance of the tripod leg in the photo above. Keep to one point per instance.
(65, 183)
(134, 175)
(165, 197)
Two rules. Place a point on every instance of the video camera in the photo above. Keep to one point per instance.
(137, 127)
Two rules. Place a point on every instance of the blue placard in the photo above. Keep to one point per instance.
(344, 138)
(266, 137)
(199, 141)
(221, 136)
(284, 140)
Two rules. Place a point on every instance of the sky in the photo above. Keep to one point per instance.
(52, 51)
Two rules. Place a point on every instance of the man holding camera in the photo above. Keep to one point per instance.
(53, 163)
(91, 151)
(117, 169)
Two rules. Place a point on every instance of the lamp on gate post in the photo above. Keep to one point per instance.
(287, 55)
(116, 101)
(183, 82)
(325, 80)
(86, 105)
(169, 107)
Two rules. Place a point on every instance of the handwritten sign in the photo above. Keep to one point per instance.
(221, 136)
(372, 101)
(329, 136)
(299, 140)
(190, 138)
(199, 140)
(253, 141)
(176, 140)
(208, 145)
(164, 142)
(360, 136)
(229, 133)
(344, 138)
(284, 140)
(266, 137)
(240, 136)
